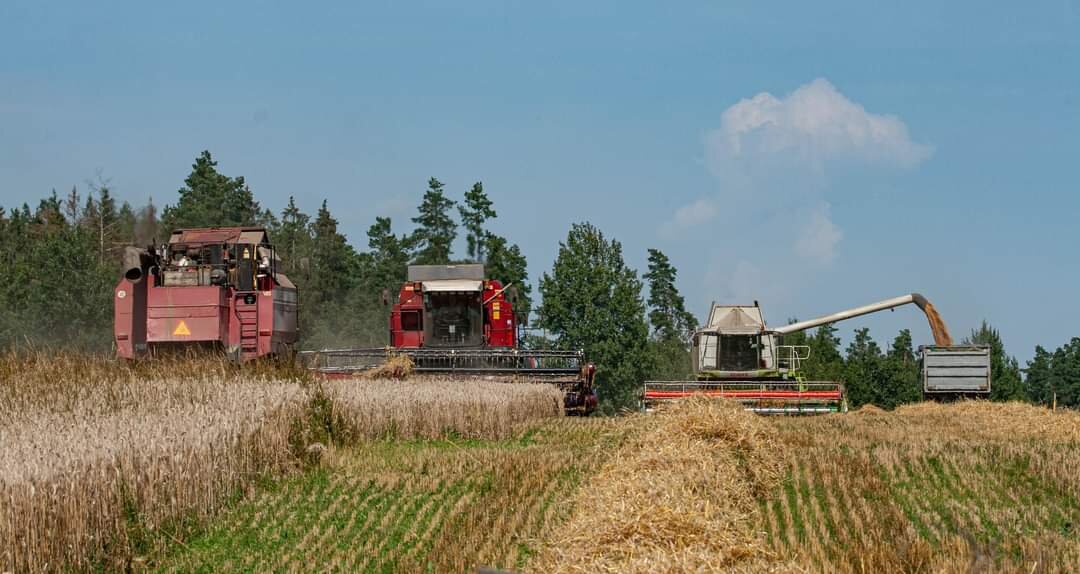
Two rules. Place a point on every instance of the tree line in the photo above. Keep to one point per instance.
(60, 260)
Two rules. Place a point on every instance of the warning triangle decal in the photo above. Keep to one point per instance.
(181, 330)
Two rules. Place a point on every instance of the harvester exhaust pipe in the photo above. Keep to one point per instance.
(937, 326)
(136, 262)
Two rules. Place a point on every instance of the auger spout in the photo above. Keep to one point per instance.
(937, 326)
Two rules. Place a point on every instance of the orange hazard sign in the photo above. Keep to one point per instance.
(181, 330)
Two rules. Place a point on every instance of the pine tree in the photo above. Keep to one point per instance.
(1039, 381)
(436, 230)
(667, 309)
(863, 370)
(71, 206)
(211, 199)
(671, 323)
(1066, 375)
(147, 227)
(476, 210)
(102, 221)
(592, 301)
(1055, 376)
(389, 258)
(125, 224)
(292, 239)
(1005, 381)
(507, 264)
(901, 378)
(49, 215)
(331, 260)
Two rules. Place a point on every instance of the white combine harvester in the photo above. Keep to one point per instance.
(738, 356)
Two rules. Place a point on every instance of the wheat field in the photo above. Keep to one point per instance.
(432, 407)
(105, 466)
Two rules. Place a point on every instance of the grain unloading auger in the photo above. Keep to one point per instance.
(737, 356)
(451, 320)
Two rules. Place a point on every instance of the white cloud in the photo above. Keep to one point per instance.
(808, 129)
(818, 238)
(697, 212)
(692, 214)
(782, 159)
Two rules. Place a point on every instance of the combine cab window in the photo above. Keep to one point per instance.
(715, 352)
(411, 321)
(455, 320)
(705, 352)
(739, 352)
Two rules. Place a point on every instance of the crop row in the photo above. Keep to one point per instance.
(930, 488)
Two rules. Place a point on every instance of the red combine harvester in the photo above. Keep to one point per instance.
(216, 288)
(450, 319)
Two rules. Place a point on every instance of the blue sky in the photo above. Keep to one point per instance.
(811, 156)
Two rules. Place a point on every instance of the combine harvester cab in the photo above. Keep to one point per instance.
(737, 356)
(452, 320)
(214, 289)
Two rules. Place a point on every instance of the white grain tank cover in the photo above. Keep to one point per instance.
(736, 319)
(453, 285)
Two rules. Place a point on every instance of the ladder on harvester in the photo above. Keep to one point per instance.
(247, 312)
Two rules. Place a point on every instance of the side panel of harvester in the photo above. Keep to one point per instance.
(285, 315)
(500, 329)
(185, 314)
(129, 325)
(407, 318)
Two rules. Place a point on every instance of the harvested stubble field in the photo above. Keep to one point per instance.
(679, 496)
(444, 505)
(961, 487)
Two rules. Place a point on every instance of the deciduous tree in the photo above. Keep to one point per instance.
(592, 301)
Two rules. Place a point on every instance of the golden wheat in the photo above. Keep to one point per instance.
(97, 460)
(103, 465)
(431, 407)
